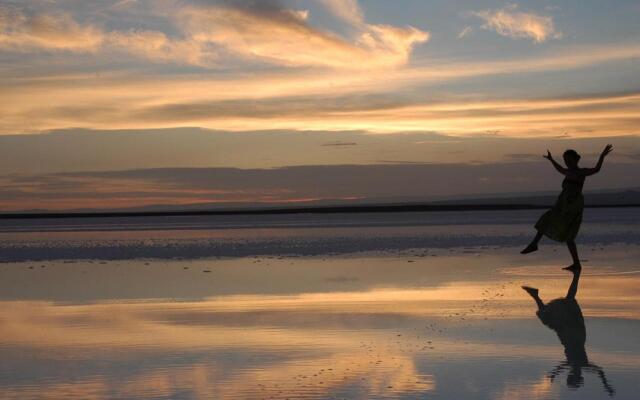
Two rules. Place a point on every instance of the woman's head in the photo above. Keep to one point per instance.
(571, 158)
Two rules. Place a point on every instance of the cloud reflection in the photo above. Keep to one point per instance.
(376, 342)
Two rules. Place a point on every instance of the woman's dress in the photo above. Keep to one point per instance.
(562, 222)
(564, 316)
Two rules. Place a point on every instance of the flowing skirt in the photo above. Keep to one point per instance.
(562, 222)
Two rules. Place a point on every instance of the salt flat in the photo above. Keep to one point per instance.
(374, 316)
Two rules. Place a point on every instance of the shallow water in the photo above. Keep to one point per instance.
(191, 237)
(403, 323)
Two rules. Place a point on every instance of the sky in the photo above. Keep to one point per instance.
(128, 103)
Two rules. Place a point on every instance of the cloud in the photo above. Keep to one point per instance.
(377, 37)
(359, 80)
(46, 31)
(523, 156)
(157, 46)
(259, 31)
(617, 112)
(603, 115)
(347, 10)
(339, 144)
(60, 31)
(283, 36)
(329, 100)
(464, 32)
(176, 186)
(83, 150)
(514, 24)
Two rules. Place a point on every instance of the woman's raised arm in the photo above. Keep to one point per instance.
(557, 166)
(591, 171)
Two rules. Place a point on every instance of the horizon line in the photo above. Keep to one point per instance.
(336, 209)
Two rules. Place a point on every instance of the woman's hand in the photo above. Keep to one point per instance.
(590, 171)
(548, 156)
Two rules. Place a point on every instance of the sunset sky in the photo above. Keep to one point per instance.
(127, 103)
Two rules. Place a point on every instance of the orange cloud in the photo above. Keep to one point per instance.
(52, 32)
(157, 46)
(370, 62)
(139, 105)
(263, 32)
(61, 32)
(518, 25)
(283, 36)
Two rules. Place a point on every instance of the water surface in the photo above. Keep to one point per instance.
(443, 320)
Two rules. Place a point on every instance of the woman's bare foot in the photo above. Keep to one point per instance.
(573, 268)
(533, 292)
(530, 248)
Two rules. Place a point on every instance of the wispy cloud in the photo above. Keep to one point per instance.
(318, 101)
(357, 77)
(261, 31)
(283, 36)
(108, 189)
(339, 144)
(347, 10)
(61, 32)
(510, 22)
(464, 32)
(83, 150)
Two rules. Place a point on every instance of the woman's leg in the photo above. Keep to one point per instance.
(574, 255)
(533, 246)
(573, 288)
(533, 292)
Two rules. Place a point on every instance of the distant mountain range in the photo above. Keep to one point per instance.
(600, 198)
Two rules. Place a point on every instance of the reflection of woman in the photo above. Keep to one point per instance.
(565, 318)
(562, 222)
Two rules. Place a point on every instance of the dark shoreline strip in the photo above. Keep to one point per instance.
(300, 210)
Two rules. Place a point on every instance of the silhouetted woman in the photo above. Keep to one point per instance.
(565, 318)
(562, 222)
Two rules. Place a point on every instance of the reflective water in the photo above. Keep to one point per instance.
(449, 322)
(296, 234)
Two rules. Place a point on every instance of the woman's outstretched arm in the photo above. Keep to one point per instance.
(557, 166)
(590, 171)
(559, 368)
(603, 378)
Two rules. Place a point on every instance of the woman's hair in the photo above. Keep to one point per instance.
(571, 154)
